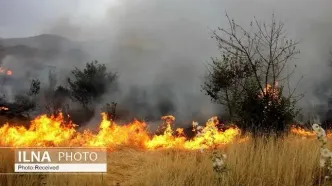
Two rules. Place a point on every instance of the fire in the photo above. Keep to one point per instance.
(269, 90)
(53, 131)
(44, 131)
(307, 133)
(302, 132)
(5, 71)
(3, 108)
(210, 135)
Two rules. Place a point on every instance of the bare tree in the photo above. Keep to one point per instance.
(253, 61)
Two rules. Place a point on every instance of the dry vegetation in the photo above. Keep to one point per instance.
(292, 161)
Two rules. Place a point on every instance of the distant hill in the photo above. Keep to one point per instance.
(32, 58)
(44, 41)
(43, 48)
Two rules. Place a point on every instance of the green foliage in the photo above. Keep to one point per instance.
(91, 83)
(266, 114)
(225, 81)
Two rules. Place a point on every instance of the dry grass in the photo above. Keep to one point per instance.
(291, 162)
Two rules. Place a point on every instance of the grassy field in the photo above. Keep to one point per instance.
(292, 161)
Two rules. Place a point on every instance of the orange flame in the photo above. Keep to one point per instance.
(5, 71)
(299, 131)
(269, 90)
(302, 132)
(51, 131)
(3, 108)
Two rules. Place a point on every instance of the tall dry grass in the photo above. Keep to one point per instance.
(292, 161)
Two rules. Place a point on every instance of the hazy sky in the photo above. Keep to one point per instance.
(20, 18)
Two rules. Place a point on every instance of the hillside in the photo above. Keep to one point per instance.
(43, 49)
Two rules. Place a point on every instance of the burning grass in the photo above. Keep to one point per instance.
(53, 131)
(137, 158)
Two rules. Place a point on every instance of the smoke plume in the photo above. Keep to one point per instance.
(160, 48)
